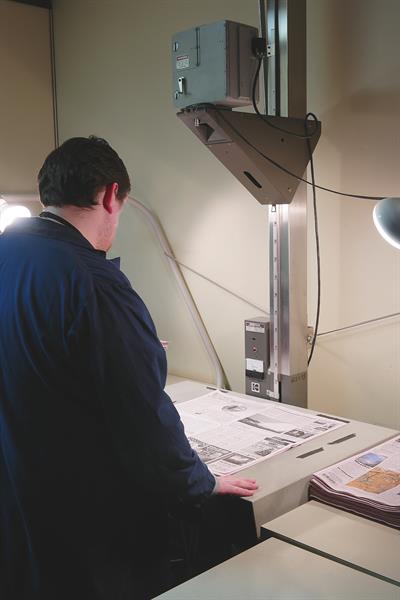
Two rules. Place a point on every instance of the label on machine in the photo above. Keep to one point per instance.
(252, 364)
(182, 62)
(255, 327)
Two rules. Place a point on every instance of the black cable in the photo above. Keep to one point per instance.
(318, 252)
(268, 121)
(284, 169)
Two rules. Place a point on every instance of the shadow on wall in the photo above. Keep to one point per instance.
(383, 102)
(360, 372)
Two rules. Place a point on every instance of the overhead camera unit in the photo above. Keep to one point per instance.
(215, 69)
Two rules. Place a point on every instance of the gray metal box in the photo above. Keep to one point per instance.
(257, 355)
(214, 64)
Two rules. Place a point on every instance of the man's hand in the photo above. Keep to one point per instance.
(230, 484)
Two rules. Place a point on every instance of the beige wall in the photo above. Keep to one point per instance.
(354, 86)
(113, 72)
(26, 121)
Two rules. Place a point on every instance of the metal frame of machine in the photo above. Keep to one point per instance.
(251, 150)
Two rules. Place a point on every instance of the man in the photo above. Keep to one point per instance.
(91, 448)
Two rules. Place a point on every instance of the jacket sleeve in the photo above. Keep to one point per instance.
(127, 374)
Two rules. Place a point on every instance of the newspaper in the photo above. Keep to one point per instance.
(231, 433)
(373, 475)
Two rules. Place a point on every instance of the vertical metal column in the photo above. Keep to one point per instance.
(286, 96)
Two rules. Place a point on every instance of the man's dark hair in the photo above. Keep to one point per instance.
(76, 171)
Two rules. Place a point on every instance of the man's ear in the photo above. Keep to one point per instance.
(110, 197)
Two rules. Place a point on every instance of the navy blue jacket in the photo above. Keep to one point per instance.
(91, 447)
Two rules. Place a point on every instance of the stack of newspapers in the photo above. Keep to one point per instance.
(367, 484)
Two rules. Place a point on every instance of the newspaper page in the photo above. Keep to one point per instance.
(374, 474)
(231, 433)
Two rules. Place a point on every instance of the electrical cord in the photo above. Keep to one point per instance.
(307, 137)
(268, 121)
(261, 55)
(318, 252)
(284, 169)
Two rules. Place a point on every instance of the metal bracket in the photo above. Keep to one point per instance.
(243, 143)
(181, 85)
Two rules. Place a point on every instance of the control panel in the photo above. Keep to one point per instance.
(257, 356)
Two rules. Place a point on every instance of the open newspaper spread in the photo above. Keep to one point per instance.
(367, 484)
(231, 433)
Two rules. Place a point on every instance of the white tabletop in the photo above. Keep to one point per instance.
(276, 570)
(283, 479)
(341, 536)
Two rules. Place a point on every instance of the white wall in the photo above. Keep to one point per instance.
(354, 86)
(113, 72)
(26, 122)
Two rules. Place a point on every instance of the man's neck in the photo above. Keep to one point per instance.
(82, 219)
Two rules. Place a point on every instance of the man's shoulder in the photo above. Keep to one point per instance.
(56, 264)
(22, 246)
(44, 267)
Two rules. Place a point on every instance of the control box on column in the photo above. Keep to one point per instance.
(257, 354)
(214, 64)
